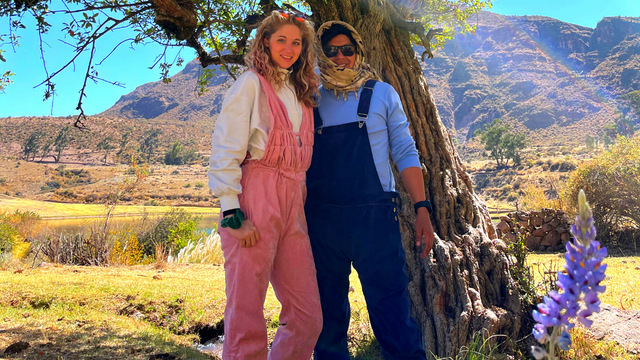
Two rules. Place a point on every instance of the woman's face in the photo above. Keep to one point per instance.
(285, 45)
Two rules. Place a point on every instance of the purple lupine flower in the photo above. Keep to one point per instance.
(540, 333)
(580, 284)
(538, 352)
(564, 341)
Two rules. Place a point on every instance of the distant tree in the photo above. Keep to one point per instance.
(61, 142)
(46, 148)
(32, 144)
(149, 142)
(172, 157)
(179, 154)
(634, 101)
(591, 142)
(106, 146)
(122, 152)
(501, 143)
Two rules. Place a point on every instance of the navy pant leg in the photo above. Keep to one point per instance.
(379, 260)
(333, 269)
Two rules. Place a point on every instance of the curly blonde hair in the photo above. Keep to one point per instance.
(305, 80)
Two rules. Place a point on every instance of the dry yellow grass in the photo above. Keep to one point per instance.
(622, 281)
(64, 210)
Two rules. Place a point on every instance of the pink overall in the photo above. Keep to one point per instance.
(273, 195)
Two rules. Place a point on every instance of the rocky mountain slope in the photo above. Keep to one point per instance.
(548, 77)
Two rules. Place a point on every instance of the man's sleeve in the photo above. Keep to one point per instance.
(403, 148)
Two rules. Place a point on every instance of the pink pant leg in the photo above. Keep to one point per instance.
(247, 278)
(294, 281)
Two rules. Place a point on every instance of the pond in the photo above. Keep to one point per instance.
(81, 225)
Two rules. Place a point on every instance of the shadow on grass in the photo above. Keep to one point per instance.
(94, 342)
(369, 350)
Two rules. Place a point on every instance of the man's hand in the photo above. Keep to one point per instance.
(247, 235)
(424, 231)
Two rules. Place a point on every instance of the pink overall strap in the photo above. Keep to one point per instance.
(282, 148)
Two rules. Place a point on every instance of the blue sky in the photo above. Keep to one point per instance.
(131, 65)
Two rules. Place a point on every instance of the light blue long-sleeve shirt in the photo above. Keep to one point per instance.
(387, 126)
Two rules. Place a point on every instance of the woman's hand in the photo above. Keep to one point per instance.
(247, 235)
(424, 231)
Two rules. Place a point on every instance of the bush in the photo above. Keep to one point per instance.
(512, 196)
(162, 229)
(3, 181)
(186, 186)
(611, 182)
(8, 235)
(199, 185)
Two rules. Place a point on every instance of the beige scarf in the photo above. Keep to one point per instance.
(337, 77)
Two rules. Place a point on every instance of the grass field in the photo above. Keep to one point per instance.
(90, 312)
(68, 312)
(51, 210)
(622, 281)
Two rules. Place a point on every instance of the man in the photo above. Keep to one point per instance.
(352, 206)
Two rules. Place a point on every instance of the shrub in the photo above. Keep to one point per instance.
(8, 235)
(3, 181)
(126, 248)
(566, 166)
(535, 199)
(611, 182)
(512, 196)
(199, 185)
(186, 186)
(175, 172)
(160, 230)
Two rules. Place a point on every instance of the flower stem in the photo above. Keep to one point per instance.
(552, 343)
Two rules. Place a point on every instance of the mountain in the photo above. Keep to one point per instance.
(177, 100)
(547, 77)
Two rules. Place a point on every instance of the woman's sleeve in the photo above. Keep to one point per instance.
(231, 140)
(403, 147)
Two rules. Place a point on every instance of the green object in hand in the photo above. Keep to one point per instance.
(233, 222)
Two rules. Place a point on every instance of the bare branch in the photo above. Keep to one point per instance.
(95, 36)
(114, 49)
(92, 8)
(82, 117)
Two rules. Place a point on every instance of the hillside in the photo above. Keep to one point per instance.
(549, 76)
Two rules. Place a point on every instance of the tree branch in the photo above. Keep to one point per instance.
(95, 36)
(224, 64)
(91, 8)
(417, 28)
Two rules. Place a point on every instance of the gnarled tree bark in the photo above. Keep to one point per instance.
(465, 286)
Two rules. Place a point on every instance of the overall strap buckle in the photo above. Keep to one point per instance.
(365, 101)
(318, 124)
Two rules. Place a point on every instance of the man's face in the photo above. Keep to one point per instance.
(339, 58)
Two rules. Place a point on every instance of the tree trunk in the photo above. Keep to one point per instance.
(464, 285)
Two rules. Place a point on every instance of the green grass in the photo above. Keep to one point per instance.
(85, 312)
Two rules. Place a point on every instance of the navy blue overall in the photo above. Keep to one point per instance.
(352, 220)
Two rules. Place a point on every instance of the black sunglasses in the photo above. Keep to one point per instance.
(332, 51)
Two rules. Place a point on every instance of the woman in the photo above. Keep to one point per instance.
(261, 149)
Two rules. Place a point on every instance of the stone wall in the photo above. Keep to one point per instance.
(547, 229)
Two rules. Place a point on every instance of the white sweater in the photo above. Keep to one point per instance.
(243, 125)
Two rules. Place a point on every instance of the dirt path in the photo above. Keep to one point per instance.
(622, 326)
